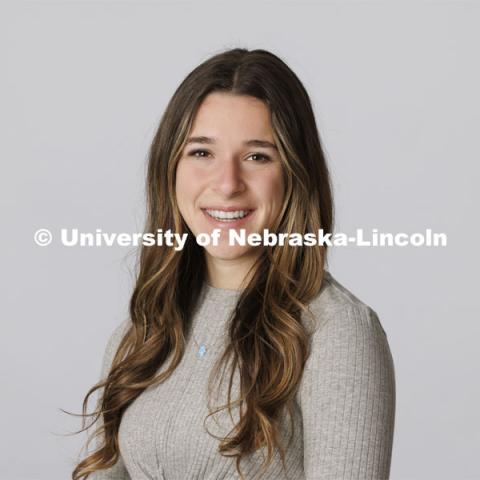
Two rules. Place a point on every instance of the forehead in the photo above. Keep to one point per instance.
(225, 114)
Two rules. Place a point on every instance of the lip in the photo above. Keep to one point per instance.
(230, 224)
(226, 209)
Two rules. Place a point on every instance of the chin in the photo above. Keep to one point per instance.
(228, 252)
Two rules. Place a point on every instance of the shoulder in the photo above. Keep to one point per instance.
(348, 345)
(345, 331)
(117, 334)
(112, 345)
(336, 303)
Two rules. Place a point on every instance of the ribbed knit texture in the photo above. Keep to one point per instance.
(344, 420)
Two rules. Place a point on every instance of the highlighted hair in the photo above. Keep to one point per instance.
(268, 344)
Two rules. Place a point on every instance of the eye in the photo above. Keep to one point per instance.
(260, 157)
(193, 153)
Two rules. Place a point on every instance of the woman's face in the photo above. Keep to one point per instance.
(230, 167)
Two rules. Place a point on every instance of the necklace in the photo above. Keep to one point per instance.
(202, 347)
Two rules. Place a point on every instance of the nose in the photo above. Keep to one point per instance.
(228, 178)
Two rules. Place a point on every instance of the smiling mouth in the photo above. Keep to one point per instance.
(227, 216)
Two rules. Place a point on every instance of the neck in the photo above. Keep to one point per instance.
(229, 274)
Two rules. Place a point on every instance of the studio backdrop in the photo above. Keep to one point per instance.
(394, 86)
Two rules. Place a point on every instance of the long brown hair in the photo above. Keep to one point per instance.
(267, 343)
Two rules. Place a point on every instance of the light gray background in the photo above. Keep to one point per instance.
(395, 91)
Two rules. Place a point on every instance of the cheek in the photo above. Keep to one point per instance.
(180, 187)
(271, 186)
(186, 184)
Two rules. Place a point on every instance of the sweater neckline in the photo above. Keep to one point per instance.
(228, 295)
(221, 294)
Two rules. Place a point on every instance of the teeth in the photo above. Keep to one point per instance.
(219, 215)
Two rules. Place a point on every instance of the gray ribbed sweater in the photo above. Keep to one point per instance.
(345, 405)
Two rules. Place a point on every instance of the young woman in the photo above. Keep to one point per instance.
(241, 361)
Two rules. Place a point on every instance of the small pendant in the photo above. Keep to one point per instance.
(202, 351)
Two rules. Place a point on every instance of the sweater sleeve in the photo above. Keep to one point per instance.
(348, 398)
(118, 471)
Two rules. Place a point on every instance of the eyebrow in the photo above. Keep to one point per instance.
(248, 143)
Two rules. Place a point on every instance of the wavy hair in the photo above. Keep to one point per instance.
(267, 343)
